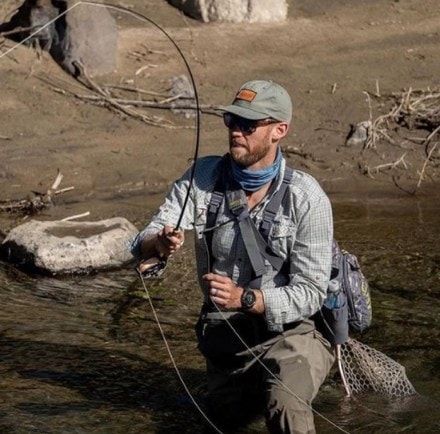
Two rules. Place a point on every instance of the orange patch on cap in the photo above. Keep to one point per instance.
(246, 95)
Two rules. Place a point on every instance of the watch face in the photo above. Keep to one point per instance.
(248, 299)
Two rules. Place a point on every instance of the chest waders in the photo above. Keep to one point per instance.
(226, 343)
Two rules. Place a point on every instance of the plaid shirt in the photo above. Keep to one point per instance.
(302, 234)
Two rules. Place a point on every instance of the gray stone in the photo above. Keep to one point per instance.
(181, 87)
(84, 34)
(66, 247)
(41, 14)
(87, 35)
(359, 134)
(234, 11)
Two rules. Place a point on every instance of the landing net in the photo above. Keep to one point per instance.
(363, 368)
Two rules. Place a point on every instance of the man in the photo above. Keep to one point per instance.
(262, 350)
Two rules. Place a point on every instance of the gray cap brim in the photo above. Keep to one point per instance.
(244, 112)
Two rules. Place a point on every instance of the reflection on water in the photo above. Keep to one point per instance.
(84, 355)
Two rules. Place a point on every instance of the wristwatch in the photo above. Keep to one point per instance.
(248, 299)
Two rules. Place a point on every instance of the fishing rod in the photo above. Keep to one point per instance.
(156, 268)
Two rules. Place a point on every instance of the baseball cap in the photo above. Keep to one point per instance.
(260, 99)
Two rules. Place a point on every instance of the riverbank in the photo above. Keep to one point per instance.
(341, 61)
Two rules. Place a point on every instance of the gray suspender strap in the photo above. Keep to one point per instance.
(264, 249)
(214, 204)
(255, 241)
(238, 206)
(274, 205)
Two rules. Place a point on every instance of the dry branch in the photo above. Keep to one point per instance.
(410, 109)
(16, 30)
(401, 161)
(104, 96)
(418, 108)
(113, 104)
(413, 109)
(422, 172)
(77, 216)
(164, 104)
(36, 202)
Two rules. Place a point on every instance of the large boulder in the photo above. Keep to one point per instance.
(89, 36)
(66, 247)
(83, 34)
(234, 11)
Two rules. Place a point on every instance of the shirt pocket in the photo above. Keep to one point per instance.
(283, 236)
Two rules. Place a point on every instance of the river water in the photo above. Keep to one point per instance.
(85, 355)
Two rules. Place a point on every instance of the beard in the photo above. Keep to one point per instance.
(244, 158)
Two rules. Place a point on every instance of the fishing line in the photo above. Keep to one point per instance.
(285, 387)
(172, 357)
(184, 205)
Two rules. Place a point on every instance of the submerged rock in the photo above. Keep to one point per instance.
(66, 247)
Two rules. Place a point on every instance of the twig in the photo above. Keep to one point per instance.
(16, 30)
(57, 181)
(141, 103)
(63, 190)
(100, 100)
(136, 90)
(37, 202)
(150, 51)
(428, 139)
(392, 165)
(428, 158)
(77, 216)
(143, 68)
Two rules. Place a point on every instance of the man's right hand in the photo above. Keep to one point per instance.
(161, 245)
(168, 241)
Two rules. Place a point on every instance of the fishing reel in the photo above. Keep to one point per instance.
(152, 267)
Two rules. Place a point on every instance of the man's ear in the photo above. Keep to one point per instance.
(280, 130)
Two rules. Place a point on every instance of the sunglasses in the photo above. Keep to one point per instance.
(246, 126)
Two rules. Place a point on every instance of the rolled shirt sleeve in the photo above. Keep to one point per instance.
(310, 256)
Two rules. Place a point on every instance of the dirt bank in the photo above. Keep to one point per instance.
(335, 57)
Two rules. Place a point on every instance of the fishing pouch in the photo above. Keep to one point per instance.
(222, 335)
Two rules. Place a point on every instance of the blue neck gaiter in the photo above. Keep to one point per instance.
(253, 180)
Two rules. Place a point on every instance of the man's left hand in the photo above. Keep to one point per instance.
(223, 291)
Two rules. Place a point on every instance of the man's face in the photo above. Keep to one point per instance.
(249, 146)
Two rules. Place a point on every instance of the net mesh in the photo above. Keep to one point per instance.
(365, 368)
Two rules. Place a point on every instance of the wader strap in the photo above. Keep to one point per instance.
(216, 200)
(212, 211)
(238, 206)
(255, 241)
(274, 204)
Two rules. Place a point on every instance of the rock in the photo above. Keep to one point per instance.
(234, 11)
(359, 134)
(88, 35)
(181, 87)
(66, 247)
(41, 14)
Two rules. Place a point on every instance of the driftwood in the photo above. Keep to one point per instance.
(410, 110)
(37, 201)
(119, 98)
(166, 104)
